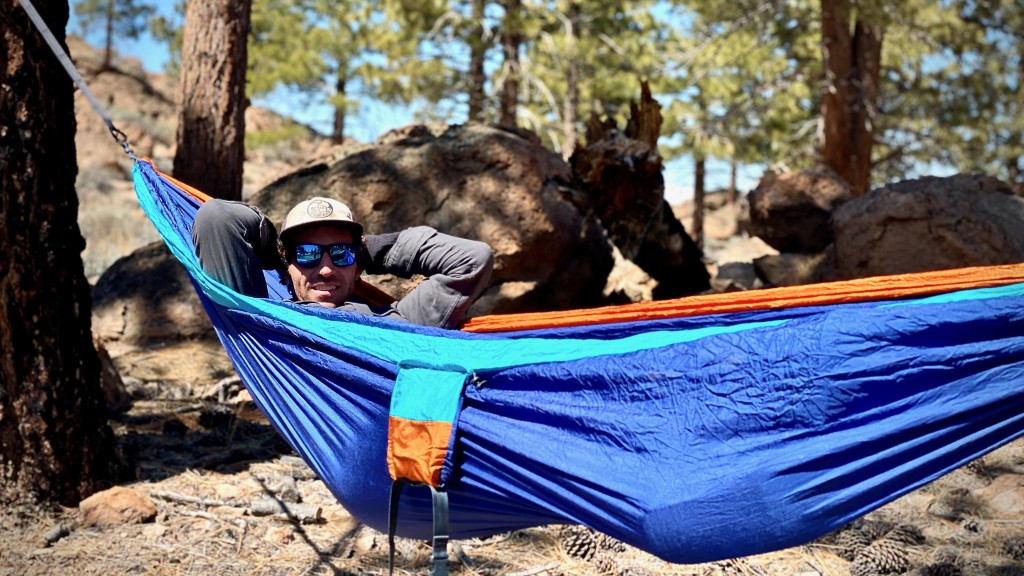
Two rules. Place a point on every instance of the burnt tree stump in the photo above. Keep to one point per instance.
(621, 172)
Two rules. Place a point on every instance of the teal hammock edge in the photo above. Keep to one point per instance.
(442, 350)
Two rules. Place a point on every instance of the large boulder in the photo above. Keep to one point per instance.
(146, 299)
(499, 186)
(930, 223)
(791, 269)
(791, 212)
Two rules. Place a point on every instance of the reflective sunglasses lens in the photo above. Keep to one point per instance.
(342, 254)
(308, 255)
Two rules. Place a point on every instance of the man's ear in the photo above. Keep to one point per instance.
(282, 251)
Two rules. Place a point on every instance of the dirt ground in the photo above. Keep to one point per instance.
(211, 464)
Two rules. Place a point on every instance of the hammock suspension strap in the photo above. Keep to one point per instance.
(72, 72)
(439, 541)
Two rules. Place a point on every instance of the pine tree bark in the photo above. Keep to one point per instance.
(108, 47)
(340, 110)
(476, 79)
(511, 38)
(211, 96)
(55, 444)
(570, 111)
(850, 93)
(699, 169)
(733, 170)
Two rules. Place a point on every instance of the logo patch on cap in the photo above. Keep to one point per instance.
(319, 209)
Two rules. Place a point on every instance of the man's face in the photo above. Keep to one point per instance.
(323, 282)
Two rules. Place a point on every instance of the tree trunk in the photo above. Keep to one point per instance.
(340, 109)
(698, 200)
(733, 170)
(867, 42)
(572, 98)
(477, 51)
(836, 51)
(850, 93)
(211, 93)
(55, 444)
(626, 188)
(511, 38)
(109, 48)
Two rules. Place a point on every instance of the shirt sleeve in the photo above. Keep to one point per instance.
(457, 271)
(235, 242)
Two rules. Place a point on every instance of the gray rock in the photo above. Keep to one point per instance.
(474, 181)
(144, 299)
(793, 269)
(791, 212)
(929, 224)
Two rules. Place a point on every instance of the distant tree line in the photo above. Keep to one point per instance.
(870, 88)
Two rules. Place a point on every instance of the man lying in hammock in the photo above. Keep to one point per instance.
(322, 252)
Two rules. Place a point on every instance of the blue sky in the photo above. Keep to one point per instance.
(374, 118)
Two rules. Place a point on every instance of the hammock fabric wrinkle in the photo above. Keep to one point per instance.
(697, 429)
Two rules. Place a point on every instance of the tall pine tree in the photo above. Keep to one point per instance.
(55, 444)
(211, 95)
(117, 18)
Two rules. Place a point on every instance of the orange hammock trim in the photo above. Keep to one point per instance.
(859, 290)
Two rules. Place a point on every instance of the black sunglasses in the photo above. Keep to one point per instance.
(308, 255)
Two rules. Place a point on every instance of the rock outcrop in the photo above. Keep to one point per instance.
(791, 212)
(929, 224)
(476, 181)
(146, 299)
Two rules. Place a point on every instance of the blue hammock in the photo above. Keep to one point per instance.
(696, 439)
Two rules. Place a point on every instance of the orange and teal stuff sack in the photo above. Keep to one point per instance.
(425, 406)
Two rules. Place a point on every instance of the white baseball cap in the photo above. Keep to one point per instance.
(321, 210)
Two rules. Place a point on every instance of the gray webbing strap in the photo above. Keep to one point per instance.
(439, 542)
(396, 496)
(69, 67)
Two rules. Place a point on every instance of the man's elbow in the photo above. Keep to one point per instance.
(482, 258)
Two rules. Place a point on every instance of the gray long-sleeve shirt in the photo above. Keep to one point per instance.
(456, 271)
(232, 242)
